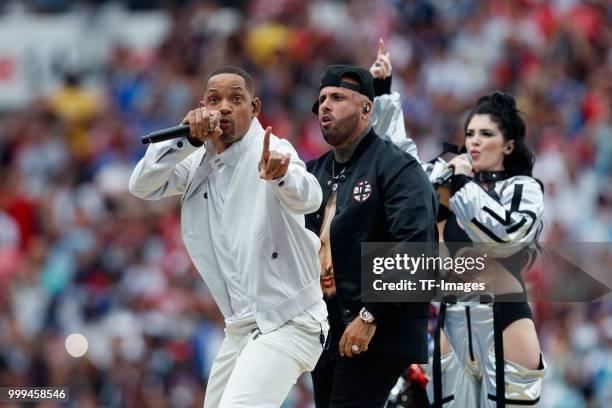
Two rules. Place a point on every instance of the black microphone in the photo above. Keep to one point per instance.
(446, 175)
(166, 134)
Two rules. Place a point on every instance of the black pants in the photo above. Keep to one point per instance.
(363, 381)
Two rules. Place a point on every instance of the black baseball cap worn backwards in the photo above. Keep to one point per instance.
(333, 74)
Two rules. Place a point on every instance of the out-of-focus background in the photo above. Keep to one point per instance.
(81, 81)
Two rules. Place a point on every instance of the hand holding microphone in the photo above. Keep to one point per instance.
(461, 164)
(200, 124)
(203, 124)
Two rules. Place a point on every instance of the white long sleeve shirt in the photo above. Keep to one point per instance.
(275, 272)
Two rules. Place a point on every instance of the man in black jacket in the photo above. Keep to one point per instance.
(372, 192)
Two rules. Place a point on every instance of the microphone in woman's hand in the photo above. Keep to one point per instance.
(446, 175)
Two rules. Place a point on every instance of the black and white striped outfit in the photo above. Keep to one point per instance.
(510, 211)
(507, 211)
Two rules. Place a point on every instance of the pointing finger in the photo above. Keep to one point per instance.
(381, 47)
(265, 153)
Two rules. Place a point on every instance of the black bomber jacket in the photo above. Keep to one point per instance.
(383, 196)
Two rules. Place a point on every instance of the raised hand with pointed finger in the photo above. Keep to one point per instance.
(273, 164)
(381, 67)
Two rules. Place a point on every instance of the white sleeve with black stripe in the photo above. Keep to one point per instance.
(514, 218)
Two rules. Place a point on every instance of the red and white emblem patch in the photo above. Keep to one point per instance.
(362, 191)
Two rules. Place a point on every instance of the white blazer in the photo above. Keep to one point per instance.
(276, 256)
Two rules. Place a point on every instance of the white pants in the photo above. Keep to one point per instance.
(258, 370)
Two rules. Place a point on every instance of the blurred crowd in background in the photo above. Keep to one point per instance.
(79, 254)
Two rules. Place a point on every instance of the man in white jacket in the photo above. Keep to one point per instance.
(244, 196)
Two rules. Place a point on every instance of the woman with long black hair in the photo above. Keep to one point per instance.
(494, 199)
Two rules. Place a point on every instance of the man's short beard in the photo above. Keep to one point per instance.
(338, 133)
